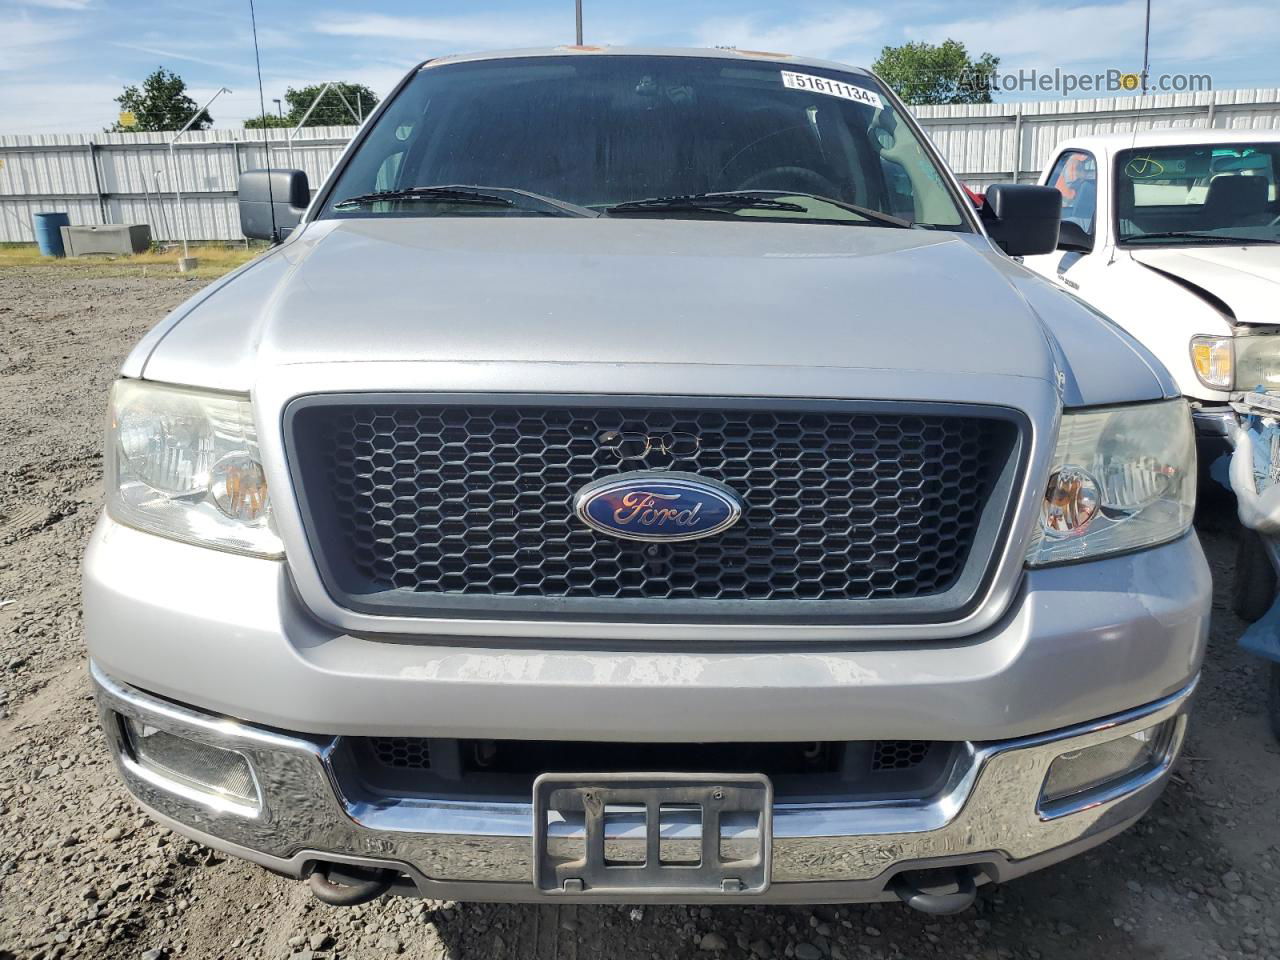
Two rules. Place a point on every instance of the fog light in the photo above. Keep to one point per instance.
(220, 778)
(1081, 771)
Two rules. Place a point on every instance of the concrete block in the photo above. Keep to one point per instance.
(119, 240)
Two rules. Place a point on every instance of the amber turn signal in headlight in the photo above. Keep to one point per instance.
(1213, 359)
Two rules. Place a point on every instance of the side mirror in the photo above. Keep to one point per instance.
(262, 192)
(1023, 219)
(1071, 236)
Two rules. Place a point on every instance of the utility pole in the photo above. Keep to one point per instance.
(578, 18)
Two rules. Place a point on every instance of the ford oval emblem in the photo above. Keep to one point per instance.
(658, 506)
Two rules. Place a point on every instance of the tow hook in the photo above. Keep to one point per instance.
(936, 891)
(344, 894)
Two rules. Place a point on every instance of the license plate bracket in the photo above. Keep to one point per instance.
(607, 834)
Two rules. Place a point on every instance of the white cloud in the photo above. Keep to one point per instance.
(58, 4)
(487, 32)
(832, 33)
(27, 43)
(41, 107)
(170, 54)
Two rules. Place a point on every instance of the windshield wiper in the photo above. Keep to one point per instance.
(879, 216)
(478, 196)
(1198, 235)
(427, 195)
(726, 202)
(732, 201)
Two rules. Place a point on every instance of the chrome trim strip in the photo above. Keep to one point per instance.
(990, 804)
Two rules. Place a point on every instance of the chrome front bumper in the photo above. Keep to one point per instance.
(987, 816)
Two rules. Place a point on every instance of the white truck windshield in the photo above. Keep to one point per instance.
(1198, 193)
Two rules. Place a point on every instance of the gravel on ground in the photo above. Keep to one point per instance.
(85, 875)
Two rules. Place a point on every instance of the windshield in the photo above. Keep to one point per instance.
(1198, 193)
(580, 135)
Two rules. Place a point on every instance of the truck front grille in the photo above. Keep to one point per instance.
(854, 511)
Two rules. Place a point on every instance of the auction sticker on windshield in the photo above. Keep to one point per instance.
(833, 88)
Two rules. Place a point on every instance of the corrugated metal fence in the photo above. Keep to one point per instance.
(126, 178)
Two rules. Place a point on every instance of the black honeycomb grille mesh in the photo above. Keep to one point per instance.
(406, 753)
(477, 500)
(899, 754)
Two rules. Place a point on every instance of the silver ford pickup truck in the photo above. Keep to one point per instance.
(643, 475)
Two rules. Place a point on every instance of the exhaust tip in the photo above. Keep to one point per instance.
(344, 893)
(938, 892)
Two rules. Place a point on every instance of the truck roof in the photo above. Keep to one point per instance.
(725, 53)
(1170, 136)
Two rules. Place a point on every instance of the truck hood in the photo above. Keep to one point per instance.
(1245, 278)
(614, 291)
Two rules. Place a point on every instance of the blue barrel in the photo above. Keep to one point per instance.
(49, 233)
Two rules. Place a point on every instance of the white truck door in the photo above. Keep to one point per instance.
(1075, 175)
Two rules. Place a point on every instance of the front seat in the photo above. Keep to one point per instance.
(1235, 199)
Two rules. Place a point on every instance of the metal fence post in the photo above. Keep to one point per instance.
(97, 181)
(235, 155)
(1016, 166)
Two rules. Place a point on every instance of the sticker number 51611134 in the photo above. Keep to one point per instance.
(832, 88)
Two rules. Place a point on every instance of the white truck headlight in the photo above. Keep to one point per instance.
(1257, 362)
(1123, 478)
(1244, 362)
(185, 464)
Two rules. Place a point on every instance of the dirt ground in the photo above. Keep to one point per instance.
(84, 875)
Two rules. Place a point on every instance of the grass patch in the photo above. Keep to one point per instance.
(214, 260)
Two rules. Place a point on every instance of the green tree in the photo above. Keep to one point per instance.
(329, 112)
(937, 73)
(161, 104)
(267, 120)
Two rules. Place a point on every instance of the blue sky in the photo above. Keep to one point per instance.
(63, 61)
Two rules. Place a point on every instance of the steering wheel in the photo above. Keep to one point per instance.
(786, 178)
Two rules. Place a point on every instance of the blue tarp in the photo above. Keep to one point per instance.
(1256, 496)
(1263, 638)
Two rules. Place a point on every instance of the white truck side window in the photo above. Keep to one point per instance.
(1075, 175)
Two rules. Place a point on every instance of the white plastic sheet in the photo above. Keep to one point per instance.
(1258, 511)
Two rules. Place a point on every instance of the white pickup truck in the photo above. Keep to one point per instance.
(1175, 235)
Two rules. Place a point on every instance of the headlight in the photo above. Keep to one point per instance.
(1237, 363)
(185, 464)
(1122, 478)
(1257, 362)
